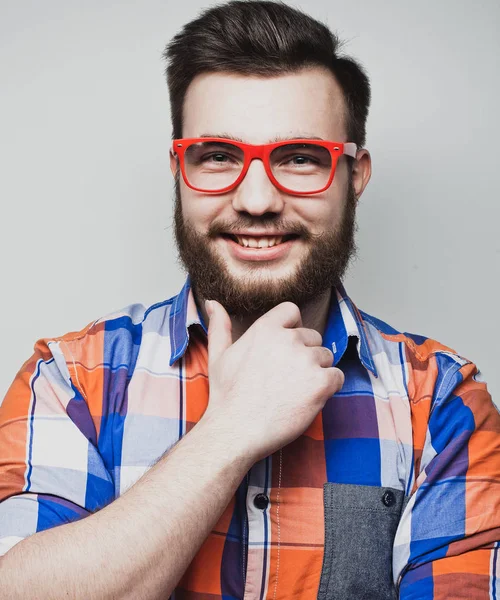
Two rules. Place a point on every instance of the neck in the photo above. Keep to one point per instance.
(314, 316)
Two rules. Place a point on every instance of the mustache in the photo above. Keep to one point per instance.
(272, 223)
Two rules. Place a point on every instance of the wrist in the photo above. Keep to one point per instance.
(218, 435)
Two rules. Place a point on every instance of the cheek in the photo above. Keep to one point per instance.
(320, 214)
(200, 211)
(324, 211)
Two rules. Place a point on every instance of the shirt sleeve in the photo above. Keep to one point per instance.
(51, 469)
(447, 542)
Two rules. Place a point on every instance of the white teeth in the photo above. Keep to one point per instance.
(254, 242)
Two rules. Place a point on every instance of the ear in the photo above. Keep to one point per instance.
(174, 163)
(361, 171)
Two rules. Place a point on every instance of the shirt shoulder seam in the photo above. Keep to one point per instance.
(403, 337)
(78, 335)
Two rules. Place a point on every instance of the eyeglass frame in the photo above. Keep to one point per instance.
(263, 153)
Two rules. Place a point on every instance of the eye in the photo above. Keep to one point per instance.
(298, 160)
(299, 156)
(219, 157)
(302, 160)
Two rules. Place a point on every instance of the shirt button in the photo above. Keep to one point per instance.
(261, 501)
(389, 499)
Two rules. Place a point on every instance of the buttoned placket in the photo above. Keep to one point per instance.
(258, 506)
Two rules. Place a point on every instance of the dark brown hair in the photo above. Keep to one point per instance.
(264, 38)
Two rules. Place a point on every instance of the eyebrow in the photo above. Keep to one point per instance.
(278, 138)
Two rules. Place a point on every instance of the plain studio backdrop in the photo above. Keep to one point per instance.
(86, 191)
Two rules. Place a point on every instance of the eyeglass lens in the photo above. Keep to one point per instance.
(303, 167)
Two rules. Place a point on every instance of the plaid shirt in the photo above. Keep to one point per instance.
(90, 412)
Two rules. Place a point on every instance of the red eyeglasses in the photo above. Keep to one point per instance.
(300, 167)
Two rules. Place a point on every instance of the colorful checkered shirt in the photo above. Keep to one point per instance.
(90, 412)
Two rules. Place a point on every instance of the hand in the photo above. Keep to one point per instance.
(267, 388)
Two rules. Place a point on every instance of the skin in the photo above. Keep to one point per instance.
(259, 110)
(140, 545)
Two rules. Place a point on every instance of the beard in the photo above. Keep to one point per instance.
(250, 295)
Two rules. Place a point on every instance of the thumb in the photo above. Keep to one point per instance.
(219, 330)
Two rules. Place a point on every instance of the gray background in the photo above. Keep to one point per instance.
(86, 191)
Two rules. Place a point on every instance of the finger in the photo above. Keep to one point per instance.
(322, 356)
(335, 379)
(286, 314)
(219, 330)
(309, 337)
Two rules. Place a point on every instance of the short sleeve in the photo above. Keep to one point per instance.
(51, 470)
(451, 525)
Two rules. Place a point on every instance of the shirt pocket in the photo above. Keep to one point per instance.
(360, 525)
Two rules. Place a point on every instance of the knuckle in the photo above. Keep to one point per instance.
(336, 378)
(310, 337)
(318, 340)
(313, 337)
(323, 355)
(328, 378)
(328, 353)
(291, 309)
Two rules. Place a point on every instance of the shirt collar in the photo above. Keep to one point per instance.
(344, 321)
(184, 314)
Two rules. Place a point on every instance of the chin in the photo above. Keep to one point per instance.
(255, 273)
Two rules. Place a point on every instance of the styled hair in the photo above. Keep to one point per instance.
(262, 38)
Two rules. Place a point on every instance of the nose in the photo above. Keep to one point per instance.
(256, 194)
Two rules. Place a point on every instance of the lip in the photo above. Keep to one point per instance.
(259, 254)
(263, 233)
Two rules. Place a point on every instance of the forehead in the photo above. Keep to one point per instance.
(307, 103)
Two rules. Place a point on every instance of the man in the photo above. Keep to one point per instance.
(305, 449)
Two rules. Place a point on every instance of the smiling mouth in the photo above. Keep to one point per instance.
(267, 241)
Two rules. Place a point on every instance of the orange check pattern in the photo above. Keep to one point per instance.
(91, 411)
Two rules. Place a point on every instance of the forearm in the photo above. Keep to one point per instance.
(140, 545)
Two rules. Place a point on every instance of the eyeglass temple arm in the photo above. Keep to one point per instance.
(350, 149)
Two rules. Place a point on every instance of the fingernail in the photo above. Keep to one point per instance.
(208, 307)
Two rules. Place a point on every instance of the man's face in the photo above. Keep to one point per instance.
(259, 110)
